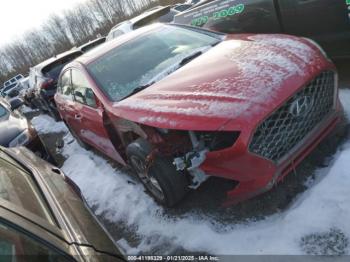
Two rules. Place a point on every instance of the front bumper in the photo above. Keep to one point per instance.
(255, 174)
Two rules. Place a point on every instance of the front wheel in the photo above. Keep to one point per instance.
(166, 185)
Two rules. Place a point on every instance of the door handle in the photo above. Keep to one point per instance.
(78, 117)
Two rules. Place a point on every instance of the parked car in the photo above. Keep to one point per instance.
(43, 82)
(4, 90)
(162, 14)
(43, 216)
(20, 87)
(92, 44)
(326, 22)
(13, 80)
(15, 130)
(180, 104)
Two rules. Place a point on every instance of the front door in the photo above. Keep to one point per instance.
(88, 116)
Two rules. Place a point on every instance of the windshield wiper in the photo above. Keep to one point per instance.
(190, 57)
(139, 88)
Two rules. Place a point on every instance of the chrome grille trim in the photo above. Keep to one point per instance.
(277, 135)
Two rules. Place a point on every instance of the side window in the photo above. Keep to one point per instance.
(14, 244)
(20, 189)
(82, 91)
(65, 86)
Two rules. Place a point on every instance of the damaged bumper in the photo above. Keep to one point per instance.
(256, 175)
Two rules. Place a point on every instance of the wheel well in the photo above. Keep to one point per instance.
(120, 140)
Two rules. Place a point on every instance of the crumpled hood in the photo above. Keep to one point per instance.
(239, 79)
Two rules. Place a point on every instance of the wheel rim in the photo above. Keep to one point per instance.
(150, 182)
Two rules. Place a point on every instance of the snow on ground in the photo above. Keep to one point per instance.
(45, 124)
(316, 223)
(26, 109)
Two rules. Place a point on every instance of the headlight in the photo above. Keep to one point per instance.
(218, 140)
(21, 139)
(318, 46)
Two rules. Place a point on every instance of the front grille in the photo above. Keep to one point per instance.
(287, 126)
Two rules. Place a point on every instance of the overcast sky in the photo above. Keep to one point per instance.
(18, 16)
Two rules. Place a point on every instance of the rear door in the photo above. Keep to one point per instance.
(88, 119)
(64, 98)
(325, 21)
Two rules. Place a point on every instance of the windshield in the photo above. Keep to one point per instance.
(18, 187)
(146, 59)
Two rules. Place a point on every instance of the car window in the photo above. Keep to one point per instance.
(3, 111)
(18, 187)
(182, 7)
(151, 56)
(9, 87)
(65, 87)
(14, 244)
(82, 91)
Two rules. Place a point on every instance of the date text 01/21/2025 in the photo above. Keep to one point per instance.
(237, 9)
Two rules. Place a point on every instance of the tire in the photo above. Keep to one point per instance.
(161, 176)
(76, 137)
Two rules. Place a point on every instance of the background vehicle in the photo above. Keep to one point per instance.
(326, 22)
(43, 82)
(20, 87)
(13, 80)
(15, 130)
(196, 103)
(44, 216)
(162, 14)
(6, 89)
(92, 44)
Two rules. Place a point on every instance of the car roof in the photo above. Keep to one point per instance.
(148, 13)
(91, 42)
(51, 60)
(142, 16)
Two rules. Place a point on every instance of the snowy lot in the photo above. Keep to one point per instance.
(316, 221)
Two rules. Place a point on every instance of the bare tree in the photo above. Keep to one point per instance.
(74, 27)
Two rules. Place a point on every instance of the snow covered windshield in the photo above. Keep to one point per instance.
(147, 59)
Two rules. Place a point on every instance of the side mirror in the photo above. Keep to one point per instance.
(16, 103)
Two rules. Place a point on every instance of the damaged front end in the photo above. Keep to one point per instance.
(189, 149)
(192, 160)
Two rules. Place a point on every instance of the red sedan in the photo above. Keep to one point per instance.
(181, 104)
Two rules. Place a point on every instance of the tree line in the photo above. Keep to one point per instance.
(59, 33)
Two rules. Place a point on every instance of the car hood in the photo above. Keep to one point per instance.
(243, 77)
(10, 127)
